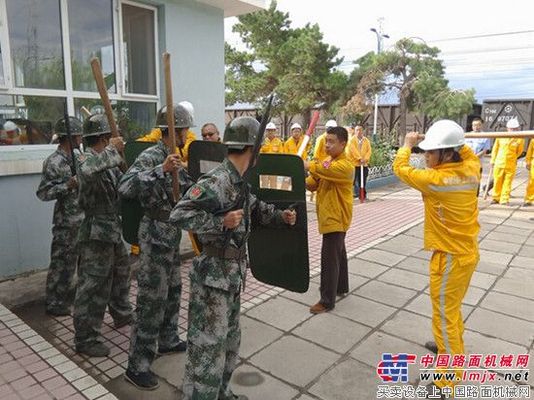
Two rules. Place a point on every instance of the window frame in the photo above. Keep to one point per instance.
(69, 93)
(120, 32)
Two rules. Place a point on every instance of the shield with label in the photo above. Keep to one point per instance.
(131, 209)
(279, 254)
(204, 156)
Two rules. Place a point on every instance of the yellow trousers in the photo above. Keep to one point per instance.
(503, 178)
(529, 195)
(449, 280)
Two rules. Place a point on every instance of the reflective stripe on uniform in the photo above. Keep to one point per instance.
(454, 188)
(444, 280)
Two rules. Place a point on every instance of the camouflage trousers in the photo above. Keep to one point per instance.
(158, 305)
(103, 280)
(60, 285)
(213, 339)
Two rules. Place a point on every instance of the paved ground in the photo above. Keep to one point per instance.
(289, 354)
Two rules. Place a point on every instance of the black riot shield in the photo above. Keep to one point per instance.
(279, 255)
(204, 156)
(131, 208)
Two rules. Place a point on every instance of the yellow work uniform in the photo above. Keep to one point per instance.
(332, 179)
(529, 195)
(272, 146)
(356, 151)
(319, 151)
(291, 146)
(504, 159)
(451, 230)
(155, 134)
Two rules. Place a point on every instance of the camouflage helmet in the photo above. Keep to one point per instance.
(183, 118)
(95, 125)
(241, 132)
(75, 125)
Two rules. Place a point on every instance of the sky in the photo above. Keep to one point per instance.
(486, 45)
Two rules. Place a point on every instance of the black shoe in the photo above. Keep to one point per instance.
(58, 311)
(432, 346)
(142, 380)
(237, 397)
(494, 202)
(178, 348)
(95, 349)
(119, 323)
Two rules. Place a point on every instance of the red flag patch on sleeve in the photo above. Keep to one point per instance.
(196, 192)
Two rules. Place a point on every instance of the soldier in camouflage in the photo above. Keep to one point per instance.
(104, 270)
(158, 279)
(209, 210)
(59, 183)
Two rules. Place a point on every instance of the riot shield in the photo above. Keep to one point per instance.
(204, 156)
(131, 208)
(279, 255)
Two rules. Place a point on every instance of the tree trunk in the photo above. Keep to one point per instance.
(403, 113)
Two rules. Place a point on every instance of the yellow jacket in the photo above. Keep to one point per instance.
(155, 135)
(319, 151)
(272, 146)
(292, 147)
(529, 159)
(333, 180)
(505, 152)
(450, 196)
(355, 152)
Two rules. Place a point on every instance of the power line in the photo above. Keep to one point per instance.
(481, 36)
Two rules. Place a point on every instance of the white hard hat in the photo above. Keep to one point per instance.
(10, 126)
(443, 134)
(512, 123)
(331, 123)
(296, 125)
(270, 125)
(189, 107)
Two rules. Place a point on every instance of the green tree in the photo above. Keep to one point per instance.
(416, 73)
(294, 63)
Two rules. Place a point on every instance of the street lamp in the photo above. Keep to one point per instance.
(379, 37)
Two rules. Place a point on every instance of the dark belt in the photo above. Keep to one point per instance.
(230, 253)
(158, 215)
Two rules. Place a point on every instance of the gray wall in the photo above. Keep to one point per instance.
(194, 35)
(25, 224)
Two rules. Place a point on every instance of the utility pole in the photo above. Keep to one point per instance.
(380, 35)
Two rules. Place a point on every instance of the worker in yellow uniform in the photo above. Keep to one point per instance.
(529, 160)
(359, 154)
(449, 186)
(319, 151)
(504, 160)
(292, 145)
(332, 179)
(271, 145)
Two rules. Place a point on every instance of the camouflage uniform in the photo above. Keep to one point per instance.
(57, 172)
(158, 279)
(214, 333)
(104, 271)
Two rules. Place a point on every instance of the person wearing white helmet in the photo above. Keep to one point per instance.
(292, 145)
(504, 160)
(11, 134)
(272, 144)
(449, 187)
(319, 151)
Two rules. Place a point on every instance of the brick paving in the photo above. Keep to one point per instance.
(386, 303)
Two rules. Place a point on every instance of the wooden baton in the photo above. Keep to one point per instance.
(103, 91)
